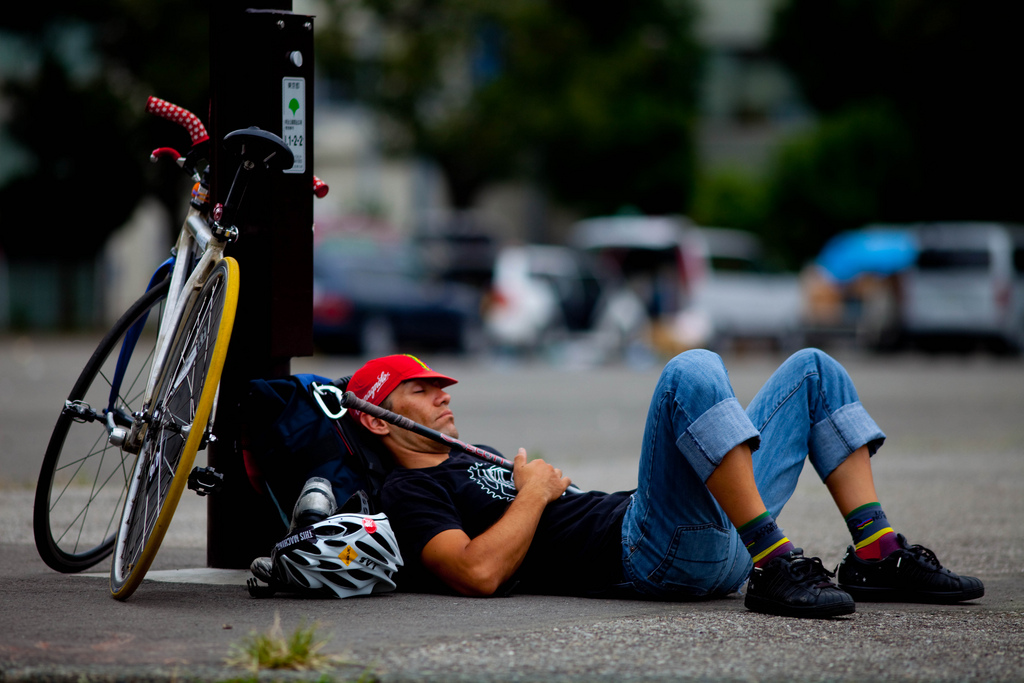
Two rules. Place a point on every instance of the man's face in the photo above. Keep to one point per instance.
(423, 401)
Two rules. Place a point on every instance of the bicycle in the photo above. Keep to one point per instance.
(111, 484)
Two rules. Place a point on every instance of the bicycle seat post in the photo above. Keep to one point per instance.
(224, 214)
(258, 150)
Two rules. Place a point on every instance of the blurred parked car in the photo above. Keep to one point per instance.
(374, 299)
(543, 293)
(967, 283)
(458, 247)
(744, 298)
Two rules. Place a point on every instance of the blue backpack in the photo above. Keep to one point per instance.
(294, 428)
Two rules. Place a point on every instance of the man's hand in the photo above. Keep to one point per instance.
(538, 477)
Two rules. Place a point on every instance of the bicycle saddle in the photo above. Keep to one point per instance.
(258, 145)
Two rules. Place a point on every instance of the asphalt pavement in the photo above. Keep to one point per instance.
(951, 476)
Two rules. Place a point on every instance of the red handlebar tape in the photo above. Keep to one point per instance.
(320, 188)
(183, 117)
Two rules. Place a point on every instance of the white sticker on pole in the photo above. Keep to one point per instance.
(293, 120)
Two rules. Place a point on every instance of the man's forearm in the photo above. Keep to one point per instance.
(479, 566)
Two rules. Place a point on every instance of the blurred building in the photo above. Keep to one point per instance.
(748, 101)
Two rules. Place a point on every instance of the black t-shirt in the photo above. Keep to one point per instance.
(577, 549)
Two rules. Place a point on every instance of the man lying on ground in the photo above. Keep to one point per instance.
(713, 477)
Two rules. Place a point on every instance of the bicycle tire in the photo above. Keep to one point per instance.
(83, 479)
(188, 387)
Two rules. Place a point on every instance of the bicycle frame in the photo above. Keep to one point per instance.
(196, 254)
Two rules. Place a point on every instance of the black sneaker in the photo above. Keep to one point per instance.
(792, 585)
(910, 574)
(263, 569)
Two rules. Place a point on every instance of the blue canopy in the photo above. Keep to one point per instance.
(879, 251)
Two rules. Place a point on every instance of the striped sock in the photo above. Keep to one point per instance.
(764, 539)
(873, 538)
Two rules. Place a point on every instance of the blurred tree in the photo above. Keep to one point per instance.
(855, 167)
(729, 196)
(595, 103)
(919, 116)
(75, 91)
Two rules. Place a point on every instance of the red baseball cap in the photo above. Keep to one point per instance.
(378, 378)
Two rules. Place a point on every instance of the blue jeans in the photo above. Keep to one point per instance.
(677, 541)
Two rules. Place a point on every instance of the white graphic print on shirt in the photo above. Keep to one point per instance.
(496, 481)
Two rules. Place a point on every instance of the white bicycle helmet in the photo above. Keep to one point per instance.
(344, 555)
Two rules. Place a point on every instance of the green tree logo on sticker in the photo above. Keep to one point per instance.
(294, 106)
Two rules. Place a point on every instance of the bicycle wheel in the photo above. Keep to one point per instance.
(176, 427)
(83, 478)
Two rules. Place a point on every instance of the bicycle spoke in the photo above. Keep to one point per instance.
(157, 476)
(85, 458)
(120, 495)
(129, 394)
(80, 519)
(98, 486)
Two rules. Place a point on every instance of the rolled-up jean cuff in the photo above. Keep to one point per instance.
(716, 432)
(840, 434)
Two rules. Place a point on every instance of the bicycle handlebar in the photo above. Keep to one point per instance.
(183, 117)
(164, 153)
(190, 122)
(319, 188)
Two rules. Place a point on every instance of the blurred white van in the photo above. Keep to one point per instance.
(744, 298)
(967, 282)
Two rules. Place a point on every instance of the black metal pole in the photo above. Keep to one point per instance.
(261, 74)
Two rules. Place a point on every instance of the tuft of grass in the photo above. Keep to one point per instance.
(299, 651)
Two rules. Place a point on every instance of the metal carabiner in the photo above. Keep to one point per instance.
(322, 391)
